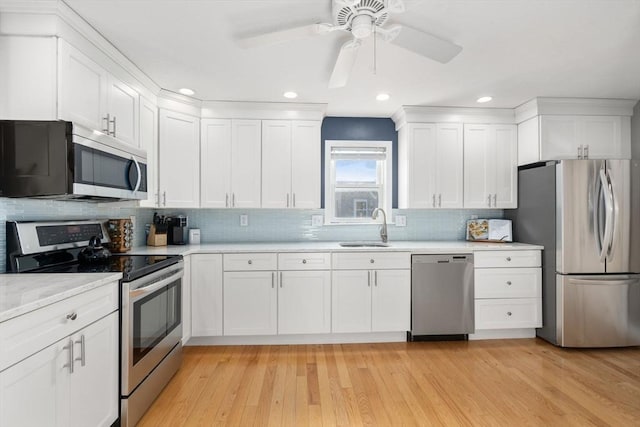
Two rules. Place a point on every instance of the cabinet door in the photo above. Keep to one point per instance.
(351, 301)
(206, 295)
(186, 300)
(276, 164)
(245, 163)
(94, 397)
(478, 182)
(215, 158)
(559, 137)
(122, 106)
(417, 178)
(391, 301)
(305, 164)
(448, 166)
(149, 142)
(179, 160)
(250, 303)
(601, 137)
(35, 391)
(82, 90)
(304, 302)
(505, 167)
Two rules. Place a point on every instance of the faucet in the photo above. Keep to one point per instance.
(383, 229)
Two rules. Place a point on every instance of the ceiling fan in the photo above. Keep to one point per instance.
(362, 18)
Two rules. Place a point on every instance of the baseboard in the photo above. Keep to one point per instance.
(495, 334)
(355, 338)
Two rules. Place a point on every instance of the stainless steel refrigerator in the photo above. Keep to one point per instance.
(586, 214)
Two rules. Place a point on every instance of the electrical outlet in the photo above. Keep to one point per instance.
(401, 220)
(244, 220)
(317, 220)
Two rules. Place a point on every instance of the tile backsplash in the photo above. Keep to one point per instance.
(223, 225)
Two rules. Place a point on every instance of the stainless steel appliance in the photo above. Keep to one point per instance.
(150, 306)
(442, 304)
(586, 214)
(61, 160)
(178, 232)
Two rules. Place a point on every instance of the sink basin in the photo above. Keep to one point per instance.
(363, 244)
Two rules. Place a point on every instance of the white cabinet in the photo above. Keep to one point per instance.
(187, 290)
(92, 97)
(206, 295)
(373, 299)
(231, 163)
(290, 164)
(508, 290)
(250, 303)
(179, 152)
(490, 166)
(59, 364)
(149, 142)
(430, 163)
(556, 137)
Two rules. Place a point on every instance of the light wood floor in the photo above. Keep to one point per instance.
(500, 382)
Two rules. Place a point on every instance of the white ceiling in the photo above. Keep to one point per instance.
(514, 50)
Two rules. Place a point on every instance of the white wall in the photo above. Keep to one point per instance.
(635, 132)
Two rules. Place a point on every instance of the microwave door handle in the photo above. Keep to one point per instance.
(608, 221)
(135, 162)
(146, 290)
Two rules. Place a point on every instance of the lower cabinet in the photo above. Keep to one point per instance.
(73, 382)
(206, 295)
(304, 302)
(250, 303)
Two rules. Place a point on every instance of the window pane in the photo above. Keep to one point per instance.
(355, 203)
(354, 172)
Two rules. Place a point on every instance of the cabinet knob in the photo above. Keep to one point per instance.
(509, 282)
(72, 316)
(250, 262)
(372, 260)
(508, 313)
(304, 261)
(508, 258)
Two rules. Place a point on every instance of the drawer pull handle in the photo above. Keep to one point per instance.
(372, 260)
(304, 261)
(509, 313)
(250, 262)
(508, 258)
(72, 316)
(509, 282)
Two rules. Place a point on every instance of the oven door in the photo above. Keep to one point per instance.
(151, 323)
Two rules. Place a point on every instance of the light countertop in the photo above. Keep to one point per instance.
(423, 247)
(22, 293)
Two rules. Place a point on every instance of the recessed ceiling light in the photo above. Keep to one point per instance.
(290, 95)
(382, 96)
(186, 91)
(484, 99)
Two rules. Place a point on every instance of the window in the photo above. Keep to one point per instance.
(357, 180)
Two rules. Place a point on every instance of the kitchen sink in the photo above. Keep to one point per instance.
(363, 244)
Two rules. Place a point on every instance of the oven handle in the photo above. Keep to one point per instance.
(138, 293)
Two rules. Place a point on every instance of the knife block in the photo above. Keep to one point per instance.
(156, 238)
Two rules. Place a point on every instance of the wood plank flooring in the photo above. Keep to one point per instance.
(488, 383)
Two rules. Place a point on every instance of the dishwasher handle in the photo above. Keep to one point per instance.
(442, 259)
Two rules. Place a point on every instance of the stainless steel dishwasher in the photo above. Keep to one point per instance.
(441, 297)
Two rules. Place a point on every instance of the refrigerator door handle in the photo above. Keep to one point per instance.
(607, 241)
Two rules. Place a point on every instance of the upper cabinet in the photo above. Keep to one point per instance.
(92, 97)
(290, 164)
(566, 128)
(490, 171)
(430, 166)
(179, 160)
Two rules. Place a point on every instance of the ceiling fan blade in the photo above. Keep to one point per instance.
(279, 36)
(427, 45)
(344, 64)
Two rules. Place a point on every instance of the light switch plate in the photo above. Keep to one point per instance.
(317, 220)
(244, 220)
(401, 220)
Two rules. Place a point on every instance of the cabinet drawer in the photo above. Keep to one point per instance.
(304, 261)
(508, 282)
(250, 262)
(508, 313)
(371, 260)
(483, 259)
(24, 335)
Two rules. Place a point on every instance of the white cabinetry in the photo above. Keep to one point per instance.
(149, 142)
(304, 293)
(206, 295)
(290, 164)
(59, 364)
(430, 162)
(371, 292)
(186, 299)
(508, 290)
(490, 170)
(92, 97)
(250, 294)
(231, 163)
(179, 152)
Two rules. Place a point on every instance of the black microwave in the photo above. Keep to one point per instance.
(61, 160)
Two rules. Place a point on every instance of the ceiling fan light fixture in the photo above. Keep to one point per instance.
(187, 91)
(290, 95)
(361, 26)
(382, 97)
(484, 99)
